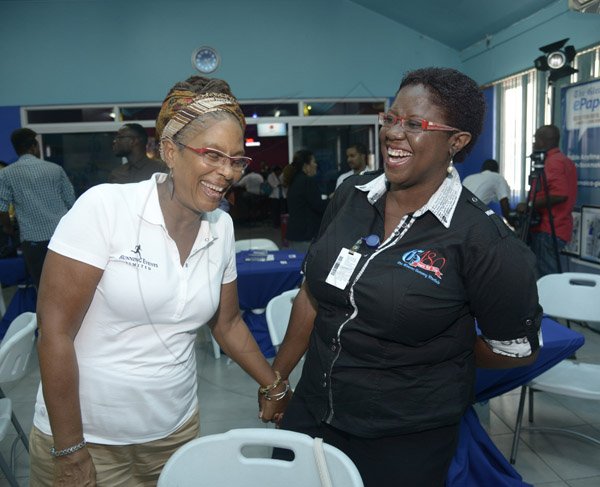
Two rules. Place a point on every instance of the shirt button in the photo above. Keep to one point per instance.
(333, 347)
(324, 375)
(324, 384)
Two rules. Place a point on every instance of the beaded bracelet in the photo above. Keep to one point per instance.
(67, 451)
(280, 395)
(265, 390)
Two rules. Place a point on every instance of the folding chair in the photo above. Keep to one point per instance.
(278, 315)
(222, 460)
(15, 351)
(572, 296)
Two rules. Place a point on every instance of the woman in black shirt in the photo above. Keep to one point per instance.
(403, 264)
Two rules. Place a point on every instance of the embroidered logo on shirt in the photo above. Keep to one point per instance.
(138, 250)
(138, 261)
(426, 263)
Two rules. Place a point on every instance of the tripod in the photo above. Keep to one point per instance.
(537, 180)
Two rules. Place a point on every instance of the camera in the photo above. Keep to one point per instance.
(538, 157)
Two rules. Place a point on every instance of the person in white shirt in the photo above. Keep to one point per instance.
(488, 185)
(356, 155)
(251, 182)
(132, 272)
(250, 201)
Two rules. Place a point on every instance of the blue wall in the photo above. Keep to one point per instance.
(484, 147)
(10, 120)
(61, 51)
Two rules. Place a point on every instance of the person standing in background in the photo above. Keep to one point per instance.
(41, 194)
(356, 156)
(488, 185)
(130, 142)
(561, 177)
(277, 195)
(305, 202)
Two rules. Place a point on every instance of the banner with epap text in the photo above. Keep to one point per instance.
(581, 137)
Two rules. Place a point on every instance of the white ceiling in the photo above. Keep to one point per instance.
(457, 23)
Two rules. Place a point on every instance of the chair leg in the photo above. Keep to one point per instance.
(8, 473)
(530, 404)
(20, 431)
(515, 444)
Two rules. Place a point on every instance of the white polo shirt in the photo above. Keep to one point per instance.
(488, 186)
(135, 347)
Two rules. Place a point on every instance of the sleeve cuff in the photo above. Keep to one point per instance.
(517, 347)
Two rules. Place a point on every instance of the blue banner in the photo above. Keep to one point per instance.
(581, 137)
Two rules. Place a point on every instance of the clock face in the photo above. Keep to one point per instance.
(205, 59)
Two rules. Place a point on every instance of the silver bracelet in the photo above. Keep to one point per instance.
(67, 451)
(278, 396)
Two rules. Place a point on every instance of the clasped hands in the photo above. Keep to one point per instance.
(272, 404)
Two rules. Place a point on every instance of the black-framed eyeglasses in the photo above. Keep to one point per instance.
(217, 158)
(413, 125)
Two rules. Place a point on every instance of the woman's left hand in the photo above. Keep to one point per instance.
(272, 411)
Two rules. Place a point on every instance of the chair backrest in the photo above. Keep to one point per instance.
(570, 295)
(278, 315)
(255, 244)
(220, 460)
(17, 346)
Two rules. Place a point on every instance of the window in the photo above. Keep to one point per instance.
(517, 102)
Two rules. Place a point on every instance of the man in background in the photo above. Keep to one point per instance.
(488, 185)
(41, 194)
(130, 142)
(561, 177)
(356, 156)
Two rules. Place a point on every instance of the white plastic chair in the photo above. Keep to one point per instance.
(15, 351)
(255, 244)
(220, 460)
(278, 315)
(571, 296)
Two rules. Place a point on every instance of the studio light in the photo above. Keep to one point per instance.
(557, 60)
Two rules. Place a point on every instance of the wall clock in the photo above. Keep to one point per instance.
(205, 59)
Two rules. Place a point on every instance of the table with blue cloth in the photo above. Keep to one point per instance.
(14, 273)
(263, 275)
(477, 461)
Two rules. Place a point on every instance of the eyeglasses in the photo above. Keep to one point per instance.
(117, 137)
(217, 158)
(413, 125)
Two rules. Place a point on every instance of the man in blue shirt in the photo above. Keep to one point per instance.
(41, 194)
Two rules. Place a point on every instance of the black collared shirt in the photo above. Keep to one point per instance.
(392, 353)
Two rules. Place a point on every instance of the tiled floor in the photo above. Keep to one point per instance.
(228, 400)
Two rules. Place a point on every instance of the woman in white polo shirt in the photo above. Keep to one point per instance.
(133, 271)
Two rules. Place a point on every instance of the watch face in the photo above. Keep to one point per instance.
(205, 59)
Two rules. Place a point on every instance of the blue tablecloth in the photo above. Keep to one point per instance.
(13, 273)
(477, 461)
(260, 281)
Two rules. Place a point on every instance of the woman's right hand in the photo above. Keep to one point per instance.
(75, 470)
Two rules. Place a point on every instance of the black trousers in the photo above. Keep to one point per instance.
(34, 254)
(412, 460)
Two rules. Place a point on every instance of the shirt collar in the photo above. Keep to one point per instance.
(152, 213)
(442, 203)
